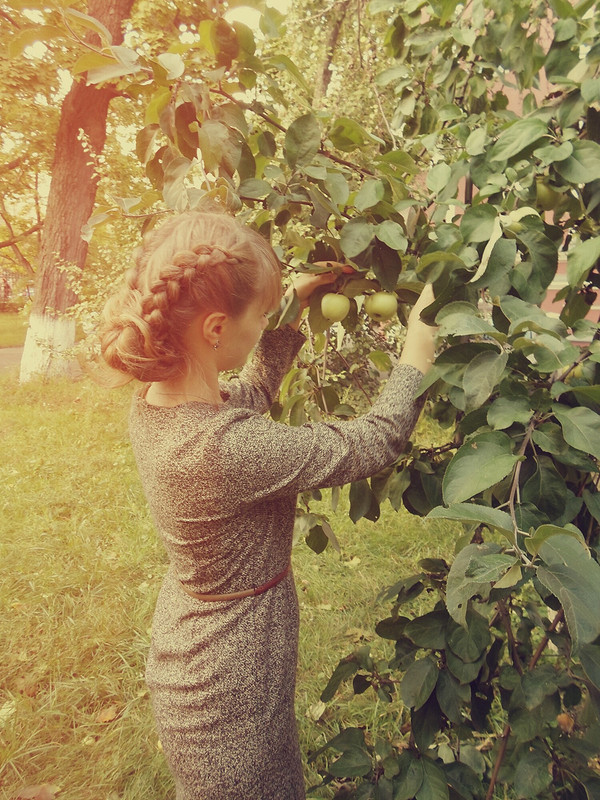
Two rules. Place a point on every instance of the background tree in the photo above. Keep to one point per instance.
(79, 141)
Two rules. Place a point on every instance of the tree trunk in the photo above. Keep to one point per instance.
(80, 139)
(324, 76)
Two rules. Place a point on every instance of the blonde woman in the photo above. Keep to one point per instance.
(221, 480)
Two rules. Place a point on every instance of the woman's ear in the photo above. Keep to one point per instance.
(213, 326)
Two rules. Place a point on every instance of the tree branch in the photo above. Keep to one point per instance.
(16, 162)
(19, 237)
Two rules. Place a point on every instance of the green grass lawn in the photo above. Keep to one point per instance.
(12, 330)
(81, 569)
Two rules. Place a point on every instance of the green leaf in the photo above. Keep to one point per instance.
(573, 577)
(302, 141)
(526, 316)
(545, 532)
(391, 627)
(473, 513)
(480, 463)
(438, 177)
(91, 23)
(489, 567)
(481, 377)
(539, 683)
(410, 775)
(549, 354)
(465, 672)
(551, 153)
(369, 194)
(426, 722)
(462, 319)
(592, 503)
(533, 774)
(356, 236)
(428, 630)
(419, 682)
(283, 62)
(589, 655)
(173, 65)
(477, 223)
(459, 588)
(254, 188)
(174, 183)
(347, 134)
(355, 762)
(361, 498)
(434, 786)
(143, 142)
(583, 166)
(518, 137)
(469, 643)
(220, 146)
(344, 670)
(29, 36)
(547, 491)
(451, 696)
(392, 234)
(337, 188)
(581, 427)
(317, 539)
(581, 259)
(464, 779)
(505, 411)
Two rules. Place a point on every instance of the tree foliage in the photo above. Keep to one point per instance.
(485, 180)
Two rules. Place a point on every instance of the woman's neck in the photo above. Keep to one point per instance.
(191, 386)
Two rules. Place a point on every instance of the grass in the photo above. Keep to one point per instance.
(81, 571)
(12, 330)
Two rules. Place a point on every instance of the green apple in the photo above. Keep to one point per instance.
(546, 197)
(381, 305)
(335, 307)
(513, 228)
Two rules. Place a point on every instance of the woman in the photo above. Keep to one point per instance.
(221, 480)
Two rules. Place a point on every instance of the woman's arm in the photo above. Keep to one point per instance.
(419, 346)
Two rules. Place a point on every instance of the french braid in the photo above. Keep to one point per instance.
(174, 280)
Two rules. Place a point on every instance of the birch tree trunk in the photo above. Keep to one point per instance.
(80, 139)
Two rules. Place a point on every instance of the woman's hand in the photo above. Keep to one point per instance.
(419, 345)
(305, 284)
(425, 299)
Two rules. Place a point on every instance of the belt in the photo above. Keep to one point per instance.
(214, 598)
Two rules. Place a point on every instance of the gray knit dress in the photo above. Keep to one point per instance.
(221, 483)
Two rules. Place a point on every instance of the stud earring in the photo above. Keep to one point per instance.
(216, 345)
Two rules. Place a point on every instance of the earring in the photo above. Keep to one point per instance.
(216, 345)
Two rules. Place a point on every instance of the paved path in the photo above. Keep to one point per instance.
(10, 357)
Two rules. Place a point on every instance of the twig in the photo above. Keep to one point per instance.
(263, 115)
(544, 642)
(504, 615)
(499, 760)
(355, 379)
(506, 732)
(385, 120)
(515, 481)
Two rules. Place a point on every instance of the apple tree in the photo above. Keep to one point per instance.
(484, 179)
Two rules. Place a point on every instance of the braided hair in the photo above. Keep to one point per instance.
(196, 262)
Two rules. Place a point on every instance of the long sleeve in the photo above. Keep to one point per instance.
(254, 458)
(257, 384)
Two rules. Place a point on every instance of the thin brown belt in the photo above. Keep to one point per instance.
(213, 598)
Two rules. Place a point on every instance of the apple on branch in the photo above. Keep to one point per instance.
(381, 306)
(335, 307)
